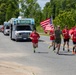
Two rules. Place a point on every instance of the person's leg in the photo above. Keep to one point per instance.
(68, 45)
(56, 45)
(59, 43)
(64, 44)
(51, 44)
(73, 48)
(34, 47)
(58, 48)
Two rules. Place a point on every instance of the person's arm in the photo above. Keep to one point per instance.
(62, 33)
(55, 34)
(71, 35)
(31, 36)
(38, 36)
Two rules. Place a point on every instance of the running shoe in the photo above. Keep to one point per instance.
(49, 47)
(53, 48)
(58, 53)
(34, 51)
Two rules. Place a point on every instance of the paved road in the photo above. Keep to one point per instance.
(43, 62)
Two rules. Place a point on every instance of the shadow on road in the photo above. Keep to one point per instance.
(41, 41)
(28, 40)
(42, 52)
(66, 54)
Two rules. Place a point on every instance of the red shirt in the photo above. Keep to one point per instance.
(52, 35)
(74, 35)
(35, 37)
(65, 33)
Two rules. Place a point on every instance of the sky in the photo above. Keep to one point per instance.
(42, 3)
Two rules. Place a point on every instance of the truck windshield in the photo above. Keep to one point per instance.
(7, 27)
(18, 28)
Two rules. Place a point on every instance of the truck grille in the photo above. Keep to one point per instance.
(24, 35)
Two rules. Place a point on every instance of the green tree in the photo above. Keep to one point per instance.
(12, 9)
(8, 9)
(31, 9)
(65, 18)
(2, 12)
(61, 5)
(47, 11)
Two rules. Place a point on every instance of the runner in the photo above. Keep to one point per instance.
(73, 36)
(66, 37)
(34, 37)
(52, 38)
(58, 33)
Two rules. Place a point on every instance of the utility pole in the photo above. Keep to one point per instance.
(20, 13)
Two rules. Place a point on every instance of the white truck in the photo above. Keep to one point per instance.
(20, 28)
(6, 28)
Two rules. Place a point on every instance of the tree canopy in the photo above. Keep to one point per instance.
(62, 11)
(8, 9)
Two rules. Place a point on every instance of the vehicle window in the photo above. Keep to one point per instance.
(7, 27)
(23, 28)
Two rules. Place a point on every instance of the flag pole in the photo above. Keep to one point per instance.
(52, 19)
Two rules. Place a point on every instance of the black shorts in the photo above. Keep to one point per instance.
(74, 42)
(66, 40)
(58, 40)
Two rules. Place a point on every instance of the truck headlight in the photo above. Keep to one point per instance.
(16, 34)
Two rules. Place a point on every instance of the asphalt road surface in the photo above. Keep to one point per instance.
(44, 62)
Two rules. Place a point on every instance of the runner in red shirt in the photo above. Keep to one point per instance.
(52, 38)
(66, 37)
(74, 40)
(34, 37)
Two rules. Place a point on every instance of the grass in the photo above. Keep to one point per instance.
(41, 31)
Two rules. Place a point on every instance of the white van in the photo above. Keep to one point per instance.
(6, 28)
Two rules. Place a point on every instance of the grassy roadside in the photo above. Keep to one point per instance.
(41, 31)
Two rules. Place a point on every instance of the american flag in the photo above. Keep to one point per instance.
(47, 24)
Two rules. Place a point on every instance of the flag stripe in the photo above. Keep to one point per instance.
(47, 24)
(45, 21)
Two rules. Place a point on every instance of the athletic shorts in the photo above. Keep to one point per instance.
(58, 40)
(35, 41)
(66, 40)
(74, 42)
(52, 41)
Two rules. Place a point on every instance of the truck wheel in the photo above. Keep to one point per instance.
(16, 40)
